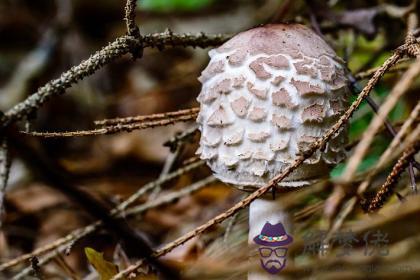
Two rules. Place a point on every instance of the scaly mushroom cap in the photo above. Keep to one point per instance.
(267, 93)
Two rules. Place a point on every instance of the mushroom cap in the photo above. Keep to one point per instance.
(266, 94)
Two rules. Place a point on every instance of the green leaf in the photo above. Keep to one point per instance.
(105, 269)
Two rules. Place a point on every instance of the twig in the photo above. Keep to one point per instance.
(115, 128)
(153, 117)
(399, 89)
(170, 160)
(106, 55)
(169, 198)
(413, 163)
(82, 232)
(368, 73)
(130, 18)
(153, 184)
(168, 38)
(186, 135)
(396, 141)
(348, 208)
(5, 164)
(390, 149)
(61, 262)
(321, 142)
(388, 187)
(229, 227)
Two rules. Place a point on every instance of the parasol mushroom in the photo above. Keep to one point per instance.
(267, 93)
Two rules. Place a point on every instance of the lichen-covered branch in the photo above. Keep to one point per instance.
(168, 38)
(106, 55)
(56, 87)
(130, 18)
(387, 188)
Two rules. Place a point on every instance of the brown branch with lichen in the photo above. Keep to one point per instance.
(106, 55)
(387, 188)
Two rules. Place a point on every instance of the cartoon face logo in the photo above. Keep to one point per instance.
(273, 241)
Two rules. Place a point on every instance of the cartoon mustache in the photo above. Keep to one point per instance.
(273, 263)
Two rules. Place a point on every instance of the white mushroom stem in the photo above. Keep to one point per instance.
(261, 211)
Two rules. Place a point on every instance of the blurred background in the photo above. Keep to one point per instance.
(41, 39)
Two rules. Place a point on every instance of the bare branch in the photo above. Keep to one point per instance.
(5, 164)
(388, 187)
(115, 128)
(399, 89)
(152, 117)
(169, 198)
(390, 150)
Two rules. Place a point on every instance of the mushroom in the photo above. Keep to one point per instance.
(267, 93)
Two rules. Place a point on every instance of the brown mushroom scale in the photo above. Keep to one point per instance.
(266, 94)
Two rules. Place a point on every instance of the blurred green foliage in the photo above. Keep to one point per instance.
(173, 5)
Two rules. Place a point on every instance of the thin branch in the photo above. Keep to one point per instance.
(133, 29)
(153, 117)
(82, 232)
(387, 123)
(154, 184)
(368, 73)
(115, 128)
(321, 142)
(169, 163)
(399, 89)
(168, 38)
(229, 227)
(351, 204)
(391, 149)
(184, 136)
(400, 135)
(388, 187)
(5, 163)
(130, 18)
(171, 197)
